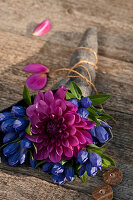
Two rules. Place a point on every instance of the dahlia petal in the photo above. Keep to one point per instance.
(41, 155)
(81, 124)
(73, 140)
(70, 106)
(30, 110)
(58, 111)
(61, 104)
(60, 94)
(54, 157)
(77, 118)
(71, 130)
(42, 28)
(59, 150)
(69, 118)
(34, 138)
(50, 148)
(36, 68)
(38, 97)
(35, 130)
(39, 146)
(80, 137)
(68, 152)
(36, 81)
(65, 143)
(76, 150)
(42, 107)
(49, 97)
(90, 124)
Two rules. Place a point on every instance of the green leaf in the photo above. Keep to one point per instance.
(93, 118)
(75, 90)
(26, 96)
(95, 148)
(40, 163)
(69, 96)
(107, 161)
(96, 109)
(62, 162)
(84, 177)
(27, 130)
(34, 147)
(98, 98)
(92, 112)
(104, 116)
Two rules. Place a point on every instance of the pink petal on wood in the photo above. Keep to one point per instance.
(36, 68)
(42, 28)
(36, 81)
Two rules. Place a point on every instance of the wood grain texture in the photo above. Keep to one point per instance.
(114, 22)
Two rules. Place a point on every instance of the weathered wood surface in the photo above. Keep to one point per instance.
(114, 21)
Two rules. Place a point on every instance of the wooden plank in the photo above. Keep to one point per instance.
(113, 20)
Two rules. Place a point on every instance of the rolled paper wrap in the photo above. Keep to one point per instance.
(88, 40)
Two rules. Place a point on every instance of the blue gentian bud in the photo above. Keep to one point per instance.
(18, 111)
(10, 137)
(55, 178)
(22, 134)
(61, 179)
(20, 124)
(4, 116)
(91, 171)
(57, 169)
(95, 159)
(101, 134)
(14, 159)
(10, 149)
(82, 156)
(93, 132)
(83, 112)
(75, 102)
(105, 125)
(32, 162)
(69, 173)
(7, 126)
(26, 143)
(95, 140)
(47, 167)
(85, 102)
(23, 153)
(82, 170)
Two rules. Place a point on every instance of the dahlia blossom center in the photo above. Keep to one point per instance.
(57, 129)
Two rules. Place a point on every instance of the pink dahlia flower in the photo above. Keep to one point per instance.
(57, 129)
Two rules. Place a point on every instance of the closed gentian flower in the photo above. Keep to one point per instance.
(69, 173)
(93, 132)
(47, 167)
(20, 124)
(42, 28)
(91, 171)
(101, 134)
(82, 156)
(83, 112)
(38, 80)
(32, 162)
(7, 126)
(57, 169)
(59, 178)
(75, 102)
(25, 143)
(14, 159)
(18, 111)
(10, 136)
(95, 159)
(82, 170)
(4, 116)
(23, 153)
(85, 102)
(22, 134)
(10, 149)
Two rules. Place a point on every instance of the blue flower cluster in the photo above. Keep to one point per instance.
(100, 133)
(82, 106)
(13, 125)
(60, 173)
(89, 162)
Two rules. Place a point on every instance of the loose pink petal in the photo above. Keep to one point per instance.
(36, 81)
(42, 28)
(36, 68)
